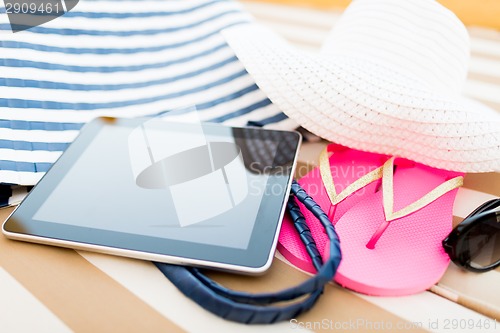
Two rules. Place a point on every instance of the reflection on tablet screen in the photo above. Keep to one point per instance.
(151, 181)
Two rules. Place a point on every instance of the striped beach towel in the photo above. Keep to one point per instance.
(117, 58)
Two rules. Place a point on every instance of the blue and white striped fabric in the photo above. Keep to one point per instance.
(118, 58)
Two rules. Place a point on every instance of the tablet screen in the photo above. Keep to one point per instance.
(102, 189)
(205, 192)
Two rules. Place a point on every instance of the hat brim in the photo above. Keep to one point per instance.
(369, 107)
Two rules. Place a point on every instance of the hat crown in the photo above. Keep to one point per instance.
(417, 38)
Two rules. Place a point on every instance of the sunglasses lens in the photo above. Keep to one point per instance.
(482, 242)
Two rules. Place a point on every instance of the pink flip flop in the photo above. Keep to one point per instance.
(391, 241)
(351, 174)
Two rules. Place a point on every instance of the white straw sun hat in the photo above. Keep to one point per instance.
(388, 80)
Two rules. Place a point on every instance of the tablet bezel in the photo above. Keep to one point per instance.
(255, 259)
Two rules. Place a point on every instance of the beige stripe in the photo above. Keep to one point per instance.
(483, 286)
(486, 47)
(486, 79)
(483, 40)
(469, 302)
(467, 200)
(162, 295)
(484, 182)
(457, 220)
(336, 304)
(476, 32)
(481, 54)
(433, 312)
(82, 296)
(467, 10)
(482, 91)
(16, 301)
(487, 67)
(298, 16)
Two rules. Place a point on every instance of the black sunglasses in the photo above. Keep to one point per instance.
(475, 243)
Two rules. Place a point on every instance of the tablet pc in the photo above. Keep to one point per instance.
(195, 194)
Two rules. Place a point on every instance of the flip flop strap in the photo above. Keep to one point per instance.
(388, 193)
(327, 178)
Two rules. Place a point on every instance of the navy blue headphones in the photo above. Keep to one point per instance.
(251, 308)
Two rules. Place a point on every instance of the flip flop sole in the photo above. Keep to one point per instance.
(346, 167)
(408, 257)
